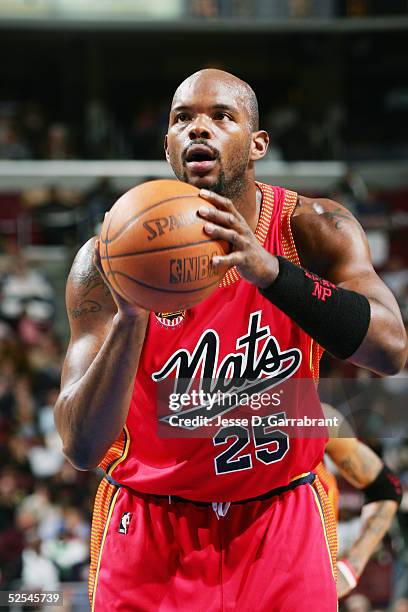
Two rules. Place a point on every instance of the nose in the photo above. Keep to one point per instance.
(200, 128)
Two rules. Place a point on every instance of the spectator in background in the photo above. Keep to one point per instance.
(56, 213)
(373, 210)
(47, 515)
(25, 293)
(24, 409)
(99, 200)
(58, 144)
(404, 306)
(357, 603)
(45, 456)
(11, 539)
(38, 572)
(145, 133)
(352, 187)
(34, 127)
(284, 122)
(370, 209)
(44, 502)
(395, 276)
(203, 8)
(46, 411)
(397, 457)
(69, 551)
(99, 129)
(12, 144)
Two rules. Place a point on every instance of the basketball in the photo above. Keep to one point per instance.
(154, 250)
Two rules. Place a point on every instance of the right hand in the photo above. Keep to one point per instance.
(125, 308)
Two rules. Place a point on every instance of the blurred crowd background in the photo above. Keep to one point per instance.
(82, 92)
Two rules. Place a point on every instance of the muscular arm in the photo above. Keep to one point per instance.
(100, 365)
(360, 466)
(332, 245)
(321, 226)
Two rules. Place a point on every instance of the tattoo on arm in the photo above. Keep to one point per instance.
(90, 291)
(338, 217)
(348, 466)
(337, 214)
(361, 466)
(373, 530)
(378, 522)
(90, 280)
(85, 307)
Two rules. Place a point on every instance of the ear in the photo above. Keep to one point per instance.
(259, 145)
(166, 148)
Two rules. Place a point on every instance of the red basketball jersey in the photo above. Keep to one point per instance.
(235, 332)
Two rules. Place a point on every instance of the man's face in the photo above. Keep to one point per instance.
(209, 136)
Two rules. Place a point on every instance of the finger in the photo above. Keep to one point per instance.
(233, 259)
(216, 199)
(221, 233)
(220, 203)
(96, 253)
(220, 217)
(97, 259)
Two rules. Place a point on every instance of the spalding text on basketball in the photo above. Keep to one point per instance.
(161, 225)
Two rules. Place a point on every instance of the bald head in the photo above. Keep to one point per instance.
(213, 137)
(238, 90)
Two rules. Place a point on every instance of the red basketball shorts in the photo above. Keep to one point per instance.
(152, 554)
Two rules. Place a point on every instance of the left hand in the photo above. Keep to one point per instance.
(224, 222)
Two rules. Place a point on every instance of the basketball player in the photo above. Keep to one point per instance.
(237, 521)
(363, 469)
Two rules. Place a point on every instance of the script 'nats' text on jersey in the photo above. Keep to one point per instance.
(234, 339)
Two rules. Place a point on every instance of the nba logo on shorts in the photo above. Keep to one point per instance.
(124, 522)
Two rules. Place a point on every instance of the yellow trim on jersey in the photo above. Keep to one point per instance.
(319, 508)
(261, 231)
(105, 531)
(124, 453)
(288, 243)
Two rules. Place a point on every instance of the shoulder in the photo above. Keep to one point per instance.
(325, 231)
(83, 264)
(84, 275)
(323, 213)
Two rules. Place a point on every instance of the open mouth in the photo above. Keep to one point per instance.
(199, 153)
(200, 158)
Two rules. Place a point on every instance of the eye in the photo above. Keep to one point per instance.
(221, 116)
(182, 117)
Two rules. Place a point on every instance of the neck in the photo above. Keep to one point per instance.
(249, 204)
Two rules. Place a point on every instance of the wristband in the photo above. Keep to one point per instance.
(348, 572)
(338, 319)
(386, 486)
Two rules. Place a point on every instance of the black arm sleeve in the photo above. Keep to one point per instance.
(338, 319)
(386, 486)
